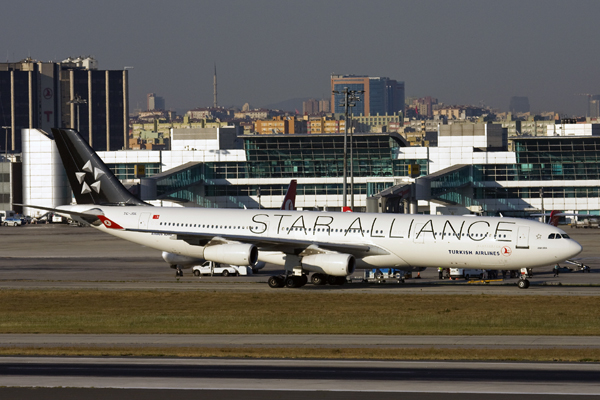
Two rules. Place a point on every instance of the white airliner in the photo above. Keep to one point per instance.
(331, 245)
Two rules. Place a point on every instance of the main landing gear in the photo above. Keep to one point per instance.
(290, 281)
(297, 281)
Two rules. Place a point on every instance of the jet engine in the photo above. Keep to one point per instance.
(334, 264)
(242, 254)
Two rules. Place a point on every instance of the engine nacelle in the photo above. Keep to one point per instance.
(183, 261)
(334, 264)
(242, 254)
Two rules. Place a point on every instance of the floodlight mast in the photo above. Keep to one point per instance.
(77, 100)
(349, 101)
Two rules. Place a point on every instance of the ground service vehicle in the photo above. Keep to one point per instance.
(12, 221)
(213, 268)
(465, 273)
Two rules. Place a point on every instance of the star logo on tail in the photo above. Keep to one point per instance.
(96, 173)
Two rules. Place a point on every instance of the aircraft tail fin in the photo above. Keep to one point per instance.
(91, 180)
(289, 201)
(554, 217)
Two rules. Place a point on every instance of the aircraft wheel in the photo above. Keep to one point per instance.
(275, 282)
(523, 284)
(317, 279)
(292, 282)
(196, 272)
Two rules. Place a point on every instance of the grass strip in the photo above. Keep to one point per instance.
(532, 355)
(293, 312)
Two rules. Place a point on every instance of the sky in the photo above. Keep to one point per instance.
(462, 52)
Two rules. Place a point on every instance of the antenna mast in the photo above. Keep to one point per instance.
(215, 88)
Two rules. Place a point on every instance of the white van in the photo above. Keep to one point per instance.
(465, 273)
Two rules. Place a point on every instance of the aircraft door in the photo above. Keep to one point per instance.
(523, 238)
(143, 221)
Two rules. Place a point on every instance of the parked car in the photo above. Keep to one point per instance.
(214, 268)
(12, 221)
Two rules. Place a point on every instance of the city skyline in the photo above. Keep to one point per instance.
(266, 51)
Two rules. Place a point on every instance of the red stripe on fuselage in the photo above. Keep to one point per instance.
(108, 223)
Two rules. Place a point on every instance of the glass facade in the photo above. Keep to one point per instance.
(546, 159)
(320, 156)
(289, 157)
(538, 159)
(127, 171)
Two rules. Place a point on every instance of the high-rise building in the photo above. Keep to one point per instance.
(594, 106)
(519, 104)
(44, 95)
(155, 102)
(381, 95)
(310, 107)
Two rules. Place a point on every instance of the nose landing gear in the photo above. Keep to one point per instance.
(523, 283)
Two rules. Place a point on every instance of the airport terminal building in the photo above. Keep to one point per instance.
(474, 168)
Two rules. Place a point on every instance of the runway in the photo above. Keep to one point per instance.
(308, 376)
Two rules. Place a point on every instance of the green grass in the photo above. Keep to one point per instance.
(294, 312)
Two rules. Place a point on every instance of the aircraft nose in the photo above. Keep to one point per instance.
(574, 248)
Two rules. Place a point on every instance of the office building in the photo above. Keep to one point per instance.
(310, 107)
(381, 96)
(155, 102)
(43, 95)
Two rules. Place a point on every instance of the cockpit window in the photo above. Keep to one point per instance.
(551, 236)
(565, 236)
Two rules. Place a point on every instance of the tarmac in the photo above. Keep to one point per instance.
(71, 257)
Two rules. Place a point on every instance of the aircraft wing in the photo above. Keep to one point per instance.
(285, 245)
(90, 215)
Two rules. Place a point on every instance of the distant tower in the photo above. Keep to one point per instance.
(215, 88)
(519, 104)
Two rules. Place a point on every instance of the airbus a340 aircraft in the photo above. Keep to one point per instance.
(330, 245)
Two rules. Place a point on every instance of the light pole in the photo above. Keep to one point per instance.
(77, 101)
(6, 128)
(349, 101)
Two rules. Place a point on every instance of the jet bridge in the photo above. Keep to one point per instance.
(452, 186)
